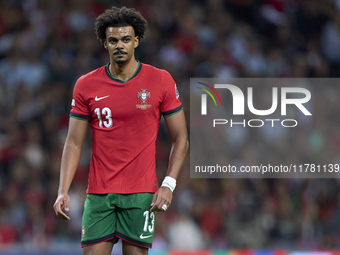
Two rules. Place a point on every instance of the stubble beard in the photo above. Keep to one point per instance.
(120, 61)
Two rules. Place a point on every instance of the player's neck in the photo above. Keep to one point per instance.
(123, 71)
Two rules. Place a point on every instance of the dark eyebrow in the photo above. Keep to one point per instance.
(124, 37)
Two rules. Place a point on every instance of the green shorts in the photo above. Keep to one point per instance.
(123, 216)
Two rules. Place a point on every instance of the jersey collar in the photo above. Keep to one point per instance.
(119, 80)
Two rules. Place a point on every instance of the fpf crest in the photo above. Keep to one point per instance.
(143, 95)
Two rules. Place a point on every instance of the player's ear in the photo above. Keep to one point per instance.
(105, 44)
(136, 42)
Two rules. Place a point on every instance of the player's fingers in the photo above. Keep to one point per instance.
(66, 205)
(154, 199)
(155, 204)
(159, 204)
(161, 197)
(167, 205)
(163, 200)
(164, 205)
(59, 211)
(61, 215)
(153, 208)
(57, 207)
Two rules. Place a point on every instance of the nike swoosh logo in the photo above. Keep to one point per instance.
(143, 237)
(100, 98)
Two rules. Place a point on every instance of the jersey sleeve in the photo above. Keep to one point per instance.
(79, 109)
(171, 103)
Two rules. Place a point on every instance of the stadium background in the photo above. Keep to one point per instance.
(45, 45)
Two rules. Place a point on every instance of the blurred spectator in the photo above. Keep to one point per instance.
(184, 234)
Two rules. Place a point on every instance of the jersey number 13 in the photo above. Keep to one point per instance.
(105, 112)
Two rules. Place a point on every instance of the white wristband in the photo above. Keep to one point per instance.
(169, 182)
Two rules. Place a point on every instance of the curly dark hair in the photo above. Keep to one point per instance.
(120, 17)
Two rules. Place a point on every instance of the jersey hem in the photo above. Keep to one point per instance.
(98, 240)
(115, 235)
(130, 240)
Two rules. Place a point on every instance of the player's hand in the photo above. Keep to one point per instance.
(60, 204)
(163, 196)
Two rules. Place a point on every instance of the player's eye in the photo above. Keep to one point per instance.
(126, 40)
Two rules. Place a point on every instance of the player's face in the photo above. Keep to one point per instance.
(121, 43)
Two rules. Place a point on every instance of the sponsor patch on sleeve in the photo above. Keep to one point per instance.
(177, 93)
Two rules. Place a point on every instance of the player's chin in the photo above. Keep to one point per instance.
(120, 61)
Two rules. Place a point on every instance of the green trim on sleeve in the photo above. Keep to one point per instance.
(172, 112)
(79, 116)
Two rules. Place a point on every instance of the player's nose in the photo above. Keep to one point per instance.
(119, 45)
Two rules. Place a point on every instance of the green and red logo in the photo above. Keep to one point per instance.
(204, 97)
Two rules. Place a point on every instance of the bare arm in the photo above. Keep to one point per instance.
(179, 136)
(177, 129)
(69, 164)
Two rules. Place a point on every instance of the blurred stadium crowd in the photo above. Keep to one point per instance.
(45, 45)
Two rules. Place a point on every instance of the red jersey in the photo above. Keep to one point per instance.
(124, 118)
